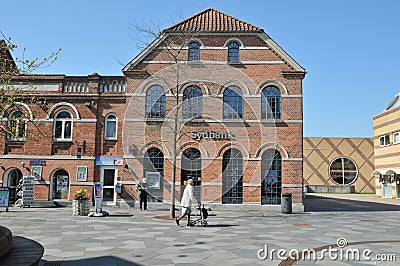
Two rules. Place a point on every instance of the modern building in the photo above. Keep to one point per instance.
(387, 150)
(339, 165)
(212, 98)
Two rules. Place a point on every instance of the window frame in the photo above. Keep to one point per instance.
(238, 108)
(233, 52)
(384, 143)
(192, 105)
(63, 125)
(394, 137)
(271, 102)
(161, 100)
(193, 51)
(18, 120)
(343, 170)
(107, 120)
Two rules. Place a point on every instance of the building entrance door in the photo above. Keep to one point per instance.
(386, 187)
(397, 186)
(11, 180)
(191, 169)
(108, 179)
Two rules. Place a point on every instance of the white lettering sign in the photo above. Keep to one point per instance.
(211, 135)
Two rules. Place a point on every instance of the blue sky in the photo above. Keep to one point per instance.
(349, 48)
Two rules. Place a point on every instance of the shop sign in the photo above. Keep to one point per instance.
(109, 160)
(37, 172)
(211, 135)
(81, 173)
(37, 162)
(4, 196)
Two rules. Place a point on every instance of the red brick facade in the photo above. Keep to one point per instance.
(261, 64)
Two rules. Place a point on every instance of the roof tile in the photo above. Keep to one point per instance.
(211, 20)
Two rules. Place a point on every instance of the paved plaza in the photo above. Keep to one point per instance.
(131, 237)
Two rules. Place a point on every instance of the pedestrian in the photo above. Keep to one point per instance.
(141, 189)
(187, 201)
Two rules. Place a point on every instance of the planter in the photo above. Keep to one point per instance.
(81, 207)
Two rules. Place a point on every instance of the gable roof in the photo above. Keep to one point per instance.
(211, 20)
(7, 62)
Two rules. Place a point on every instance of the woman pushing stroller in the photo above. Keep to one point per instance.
(188, 200)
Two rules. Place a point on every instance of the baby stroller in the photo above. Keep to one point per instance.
(203, 216)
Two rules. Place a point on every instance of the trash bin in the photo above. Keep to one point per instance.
(286, 203)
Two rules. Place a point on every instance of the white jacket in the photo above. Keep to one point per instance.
(188, 198)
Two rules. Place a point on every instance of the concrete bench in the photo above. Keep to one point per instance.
(6, 241)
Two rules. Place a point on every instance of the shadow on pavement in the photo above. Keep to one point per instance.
(103, 260)
(313, 203)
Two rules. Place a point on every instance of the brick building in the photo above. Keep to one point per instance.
(222, 88)
(387, 150)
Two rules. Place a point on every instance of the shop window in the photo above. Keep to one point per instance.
(16, 126)
(384, 141)
(232, 177)
(191, 169)
(194, 51)
(110, 131)
(233, 103)
(155, 102)
(192, 102)
(396, 138)
(343, 171)
(271, 170)
(233, 52)
(63, 126)
(271, 103)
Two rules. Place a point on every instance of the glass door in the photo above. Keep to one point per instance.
(108, 179)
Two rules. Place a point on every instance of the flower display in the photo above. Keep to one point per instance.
(81, 194)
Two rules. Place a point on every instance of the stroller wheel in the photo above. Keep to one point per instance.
(204, 223)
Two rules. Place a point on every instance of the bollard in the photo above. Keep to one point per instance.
(286, 203)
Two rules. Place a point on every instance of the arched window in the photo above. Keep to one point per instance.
(63, 126)
(111, 122)
(233, 52)
(194, 51)
(16, 126)
(191, 169)
(192, 102)
(155, 102)
(233, 103)
(271, 171)
(232, 177)
(271, 103)
(153, 170)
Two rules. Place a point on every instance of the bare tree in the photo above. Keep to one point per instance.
(13, 125)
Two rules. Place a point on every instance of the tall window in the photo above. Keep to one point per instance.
(271, 103)
(384, 141)
(192, 102)
(191, 169)
(155, 102)
(271, 170)
(232, 177)
(63, 126)
(343, 171)
(194, 51)
(233, 103)
(110, 131)
(233, 52)
(16, 126)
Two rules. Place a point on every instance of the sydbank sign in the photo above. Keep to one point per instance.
(211, 135)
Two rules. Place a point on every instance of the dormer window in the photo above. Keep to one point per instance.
(233, 52)
(194, 51)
